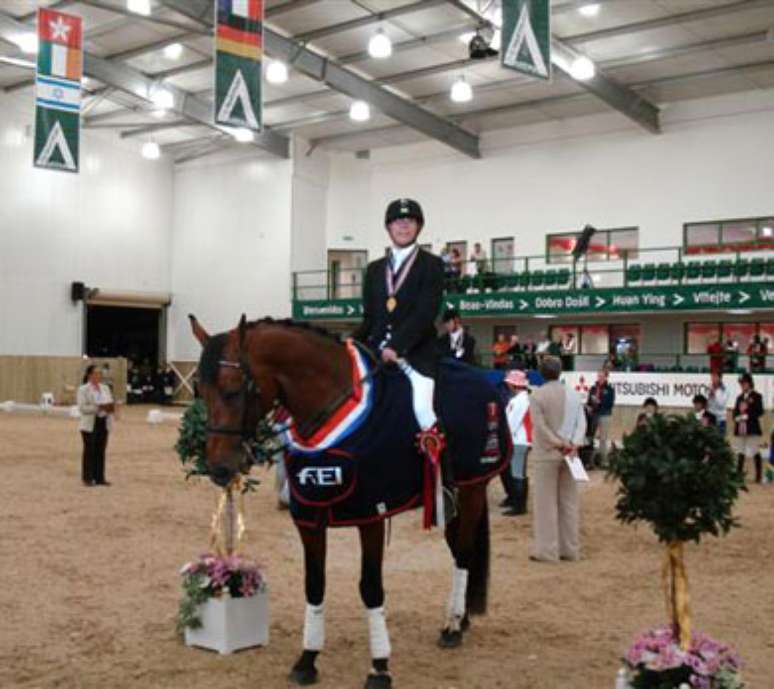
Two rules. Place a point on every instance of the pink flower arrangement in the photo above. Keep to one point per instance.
(215, 575)
(656, 660)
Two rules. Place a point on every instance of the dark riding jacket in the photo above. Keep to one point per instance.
(409, 329)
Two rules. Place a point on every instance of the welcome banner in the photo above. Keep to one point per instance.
(238, 57)
(58, 91)
(526, 39)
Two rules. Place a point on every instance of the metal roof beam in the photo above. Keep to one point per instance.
(60, 5)
(139, 85)
(115, 9)
(340, 78)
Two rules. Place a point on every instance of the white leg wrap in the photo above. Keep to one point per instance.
(459, 589)
(422, 391)
(314, 627)
(377, 633)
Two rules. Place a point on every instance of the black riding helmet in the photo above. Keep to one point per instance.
(404, 208)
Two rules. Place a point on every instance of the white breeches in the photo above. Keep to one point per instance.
(422, 392)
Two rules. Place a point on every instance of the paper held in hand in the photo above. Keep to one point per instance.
(577, 469)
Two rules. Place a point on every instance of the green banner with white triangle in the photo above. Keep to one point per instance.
(526, 38)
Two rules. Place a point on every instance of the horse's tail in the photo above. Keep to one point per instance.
(478, 572)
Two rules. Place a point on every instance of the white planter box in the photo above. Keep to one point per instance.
(230, 624)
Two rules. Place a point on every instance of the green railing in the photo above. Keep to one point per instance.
(632, 268)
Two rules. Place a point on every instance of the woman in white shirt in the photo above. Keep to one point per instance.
(718, 400)
(95, 403)
(520, 424)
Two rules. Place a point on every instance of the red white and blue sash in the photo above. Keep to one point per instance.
(347, 418)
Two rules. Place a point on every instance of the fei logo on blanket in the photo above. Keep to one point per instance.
(320, 476)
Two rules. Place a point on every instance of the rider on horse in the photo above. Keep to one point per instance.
(402, 295)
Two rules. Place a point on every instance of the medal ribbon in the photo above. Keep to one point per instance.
(403, 271)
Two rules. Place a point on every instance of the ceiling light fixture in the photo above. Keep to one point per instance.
(174, 51)
(461, 91)
(151, 150)
(582, 68)
(360, 111)
(590, 10)
(163, 99)
(27, 42)
(142, 7)
(380, 45)
(766, 231)
(242, 135)
(276, 72)
(159, 113)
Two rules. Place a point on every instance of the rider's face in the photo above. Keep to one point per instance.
(403, 231)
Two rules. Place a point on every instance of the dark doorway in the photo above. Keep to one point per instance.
(123, 331)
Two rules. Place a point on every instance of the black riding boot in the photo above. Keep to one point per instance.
(740, 464)
(758, 469)
(519, 502)
(508, 486)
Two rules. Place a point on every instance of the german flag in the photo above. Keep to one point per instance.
(240, 28)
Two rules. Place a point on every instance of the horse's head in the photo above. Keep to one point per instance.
(235, 399)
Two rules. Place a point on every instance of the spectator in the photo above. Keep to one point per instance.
(612, 362)
(555, 346)
(520, 424)
(134, 385)
(704, 417)
(529, 351)
(748, 411)
(168, 380)
(457, 263)
(559, 427)
(95, 403)
(516, 353)
(757, 350)
(649, 410)
(599, 407)
(569, 349)
(500, 350)
(542, 348)
(586, 281)
(478, 260)
(718, 400)
(716, 353)
(731, 358)
(455, 342)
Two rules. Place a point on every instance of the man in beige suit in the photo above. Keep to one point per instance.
(558, 429)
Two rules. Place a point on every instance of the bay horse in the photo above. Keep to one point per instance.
(260, 366)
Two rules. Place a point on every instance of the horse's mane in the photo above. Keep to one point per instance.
(300, 325)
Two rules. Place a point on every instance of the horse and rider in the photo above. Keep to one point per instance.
(365, 439)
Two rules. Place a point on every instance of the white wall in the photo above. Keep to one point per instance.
(231, 237)
(712, 161)
(107, 226)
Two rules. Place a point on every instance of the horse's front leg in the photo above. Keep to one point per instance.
(304, 671)
(372, 593)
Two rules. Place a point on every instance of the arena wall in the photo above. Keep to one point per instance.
(108, 226)
(712, 161)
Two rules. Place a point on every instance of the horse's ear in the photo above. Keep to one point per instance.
(199, 332)
(242, 328)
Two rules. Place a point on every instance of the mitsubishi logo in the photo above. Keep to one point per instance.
(320, 476)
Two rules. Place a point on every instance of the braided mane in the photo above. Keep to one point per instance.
(298, 325)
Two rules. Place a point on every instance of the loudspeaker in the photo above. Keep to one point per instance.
(77, 291)
(582, 245)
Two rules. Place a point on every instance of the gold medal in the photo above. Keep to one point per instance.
(392, 302)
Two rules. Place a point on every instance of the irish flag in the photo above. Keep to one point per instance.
(61, 39)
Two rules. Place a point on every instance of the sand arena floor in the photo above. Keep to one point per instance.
(90, 583)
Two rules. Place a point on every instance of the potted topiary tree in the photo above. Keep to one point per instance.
(680, 477)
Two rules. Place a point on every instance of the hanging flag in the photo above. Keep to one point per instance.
(526, 39)
(238, 55)
(58, 90)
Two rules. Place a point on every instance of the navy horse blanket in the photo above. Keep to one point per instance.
(364, 465)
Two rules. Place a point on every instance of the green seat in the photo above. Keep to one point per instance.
(633, 273)
(757, 267)
(770, 266)
(536, 278)
(693, 271)
(709, 269)
(663, 271)
(725, 268)
(524, 279)
(742, 268)
(551, 278)
(466, 282)
(648, 272)
(563, 277)
(678, 271)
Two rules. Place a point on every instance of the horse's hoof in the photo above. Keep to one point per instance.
(304, 676)
(378, 680)
(450, 639)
